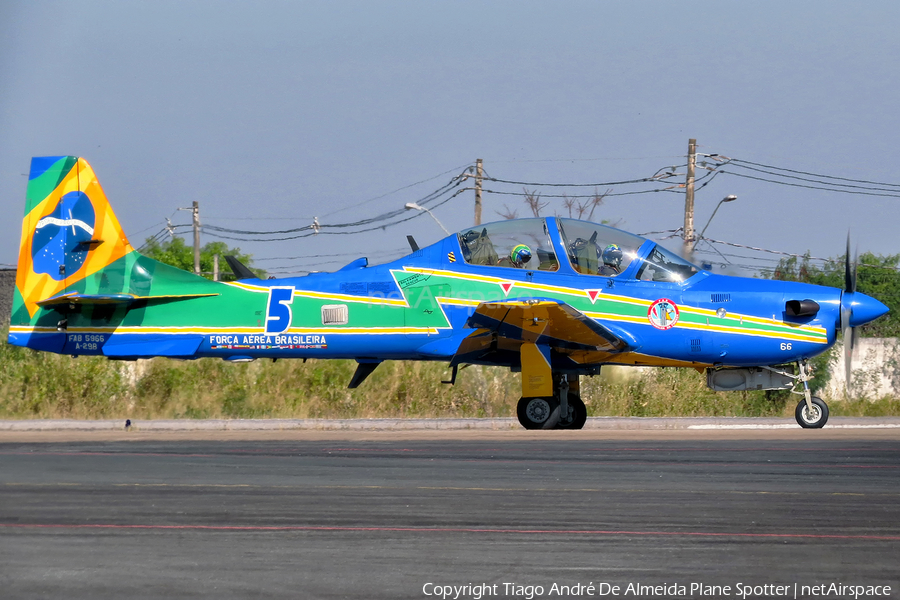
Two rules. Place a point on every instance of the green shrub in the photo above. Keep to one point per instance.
(43, 385)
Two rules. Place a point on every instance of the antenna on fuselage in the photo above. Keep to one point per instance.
(239, 269)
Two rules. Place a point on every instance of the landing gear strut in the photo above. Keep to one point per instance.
(811, 412)
(572, 411)
(549, 399)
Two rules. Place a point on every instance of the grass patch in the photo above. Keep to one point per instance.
(623, 391)
(882, 407)
(38, 385)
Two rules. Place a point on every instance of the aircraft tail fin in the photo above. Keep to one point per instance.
(78, 274)
(69, 232)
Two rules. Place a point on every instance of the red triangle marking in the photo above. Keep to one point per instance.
(592, 294)
(507, 285)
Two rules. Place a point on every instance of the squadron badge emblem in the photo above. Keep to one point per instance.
(663, 314)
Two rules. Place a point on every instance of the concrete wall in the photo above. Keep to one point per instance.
(876, 370)
(7, 285)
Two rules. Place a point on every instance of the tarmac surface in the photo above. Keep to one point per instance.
(393, 514)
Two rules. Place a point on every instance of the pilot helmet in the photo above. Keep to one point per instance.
(612, 256)
(520, 255)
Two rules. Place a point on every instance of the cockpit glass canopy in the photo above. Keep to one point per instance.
(665, 265)
(519, 243)
(597, 249)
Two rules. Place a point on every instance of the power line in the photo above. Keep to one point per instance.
(524, 194)
(462, 168)
(811, 187)
(552, 160)
(801, 256)
(601, 184)
(846, 185)
(897, 185)
(323, 229)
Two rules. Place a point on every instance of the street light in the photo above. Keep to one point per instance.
(414, 206)
(729, 198)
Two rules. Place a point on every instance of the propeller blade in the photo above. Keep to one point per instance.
(849, 333)
(850, 338)
(848, 280)
(850, 270)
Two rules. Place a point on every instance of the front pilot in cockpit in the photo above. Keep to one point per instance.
(520, 256)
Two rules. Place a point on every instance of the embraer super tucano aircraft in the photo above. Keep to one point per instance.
(551, 297)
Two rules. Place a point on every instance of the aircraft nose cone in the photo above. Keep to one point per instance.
(864, 309)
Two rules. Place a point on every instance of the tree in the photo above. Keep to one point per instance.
(177, 253)
(877, 276)
(577, 208)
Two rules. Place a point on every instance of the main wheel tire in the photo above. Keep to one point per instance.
(577, 414)
(538, 413)
(814, 419)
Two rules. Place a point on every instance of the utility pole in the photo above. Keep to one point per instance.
(196, 213)
(215, 267)
(689, 200)
(479, 174)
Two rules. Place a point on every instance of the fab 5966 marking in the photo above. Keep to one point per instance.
(85, 343)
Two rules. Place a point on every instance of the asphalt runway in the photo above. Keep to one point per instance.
(384, 516)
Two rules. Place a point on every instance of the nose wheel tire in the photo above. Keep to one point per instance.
(812, 419)
(577, 414)
(538, 413)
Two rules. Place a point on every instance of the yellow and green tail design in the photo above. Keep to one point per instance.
(69, 233)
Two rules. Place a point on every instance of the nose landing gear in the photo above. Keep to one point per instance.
(812, 417)
(811, 412)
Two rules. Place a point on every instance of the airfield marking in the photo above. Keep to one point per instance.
(247, 486)
(477, 460)
(338, 528)
(508, 460)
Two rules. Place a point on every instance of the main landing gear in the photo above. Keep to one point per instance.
(563, 410)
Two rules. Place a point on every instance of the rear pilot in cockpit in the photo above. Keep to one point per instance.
(612, 261)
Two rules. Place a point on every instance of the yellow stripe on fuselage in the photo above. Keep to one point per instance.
(234, 330)
(815, 333)
(327, 295)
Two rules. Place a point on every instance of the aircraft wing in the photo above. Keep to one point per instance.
(506, 325)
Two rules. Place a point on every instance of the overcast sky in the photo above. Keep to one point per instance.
(286, 111)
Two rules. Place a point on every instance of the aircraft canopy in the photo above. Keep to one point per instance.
(590, 249)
